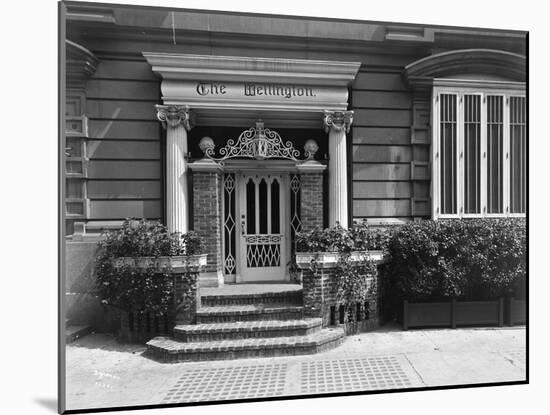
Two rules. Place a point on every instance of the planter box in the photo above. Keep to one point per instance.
(173, 264)
(516, 311)
(453, 313)
(329, 259)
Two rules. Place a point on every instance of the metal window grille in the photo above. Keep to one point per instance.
(518, 154)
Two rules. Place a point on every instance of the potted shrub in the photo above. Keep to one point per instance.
(340, 275)
(149, 274)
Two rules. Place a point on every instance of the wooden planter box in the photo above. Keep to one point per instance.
(453, 313)
(172, 264)
(516, 311)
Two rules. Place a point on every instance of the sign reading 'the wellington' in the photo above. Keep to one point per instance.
(256, 89)
(254, 95)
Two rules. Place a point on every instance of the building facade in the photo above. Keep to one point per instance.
(248, 128)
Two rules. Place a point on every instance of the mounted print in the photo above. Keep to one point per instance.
(251, 214)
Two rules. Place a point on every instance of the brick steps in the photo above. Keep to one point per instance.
(246, 329)
(250, 312)
(255, 322)
(171, 350)
(283, 297)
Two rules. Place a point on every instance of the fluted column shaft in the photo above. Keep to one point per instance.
(176, 121)
(337, 123)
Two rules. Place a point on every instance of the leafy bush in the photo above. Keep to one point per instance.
(466, 259)
(133, 289)
(139, 238)
(359, 237)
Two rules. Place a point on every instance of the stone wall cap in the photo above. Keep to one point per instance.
(330, 259)
(311, 166)
(206, 165)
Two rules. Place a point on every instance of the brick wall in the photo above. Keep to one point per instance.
(311, 200)
(319, 293)
(207, 187)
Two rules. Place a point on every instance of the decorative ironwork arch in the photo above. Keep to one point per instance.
(258, 143)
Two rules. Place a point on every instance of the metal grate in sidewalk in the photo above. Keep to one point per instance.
(346, 375)
(212, 384)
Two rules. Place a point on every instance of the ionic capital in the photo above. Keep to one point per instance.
(174, 115)
(337, 120)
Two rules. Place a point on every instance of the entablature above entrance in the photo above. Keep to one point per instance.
(229, 90)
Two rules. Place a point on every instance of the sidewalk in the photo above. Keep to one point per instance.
(104, 373)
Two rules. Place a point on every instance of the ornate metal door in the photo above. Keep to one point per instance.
(263, 225)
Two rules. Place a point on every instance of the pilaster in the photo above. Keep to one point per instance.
(207, 217)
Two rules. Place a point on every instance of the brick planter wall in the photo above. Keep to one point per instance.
(138, 327)
(319, 291)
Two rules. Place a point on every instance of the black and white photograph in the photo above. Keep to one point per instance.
(267, 209)
(262, 206)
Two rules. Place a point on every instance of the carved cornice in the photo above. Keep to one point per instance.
(172, 66)
(174, 115)
(420, 74)
(80, 65)
(337, 120)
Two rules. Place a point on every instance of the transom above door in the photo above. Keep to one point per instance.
(262, 226)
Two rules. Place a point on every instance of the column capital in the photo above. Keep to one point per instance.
(337, 120)
(174, 115)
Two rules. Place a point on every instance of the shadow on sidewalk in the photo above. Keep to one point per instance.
(108, 342)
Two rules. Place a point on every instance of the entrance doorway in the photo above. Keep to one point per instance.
(263, 226)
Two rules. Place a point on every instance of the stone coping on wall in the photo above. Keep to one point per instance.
(177, 263)
(330, 259)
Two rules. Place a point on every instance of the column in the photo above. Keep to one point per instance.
(176, 121)
(337, 123)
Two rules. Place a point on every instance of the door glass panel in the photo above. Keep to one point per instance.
(275, 219)
(263, 206)
(250, 207)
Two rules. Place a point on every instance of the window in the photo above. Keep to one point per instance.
(479, 152)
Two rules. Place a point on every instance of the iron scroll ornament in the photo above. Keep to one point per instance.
(258, 143)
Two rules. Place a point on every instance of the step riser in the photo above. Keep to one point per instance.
(241, 354)
(236, 335)
(228, 318)
(247, 300)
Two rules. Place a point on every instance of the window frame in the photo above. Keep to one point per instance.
(460, 88)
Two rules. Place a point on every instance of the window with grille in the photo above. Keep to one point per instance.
(479, 153)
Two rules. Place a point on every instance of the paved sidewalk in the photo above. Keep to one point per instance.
(103, 373)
